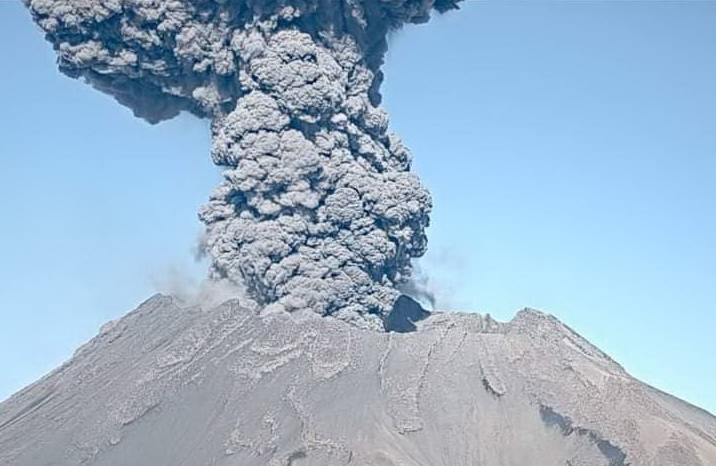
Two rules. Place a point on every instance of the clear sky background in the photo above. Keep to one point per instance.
(570, 148)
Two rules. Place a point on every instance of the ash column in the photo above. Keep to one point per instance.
(318, 209)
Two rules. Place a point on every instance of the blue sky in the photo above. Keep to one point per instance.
(570, 149)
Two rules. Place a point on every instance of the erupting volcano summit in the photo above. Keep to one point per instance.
(318, 209)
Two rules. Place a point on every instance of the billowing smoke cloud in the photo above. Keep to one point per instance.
(318, 208)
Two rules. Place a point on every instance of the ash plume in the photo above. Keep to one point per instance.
(318, 208)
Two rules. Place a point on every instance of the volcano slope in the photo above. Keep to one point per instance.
(171, 384)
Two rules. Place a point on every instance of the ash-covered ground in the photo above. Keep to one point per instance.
(175, 385)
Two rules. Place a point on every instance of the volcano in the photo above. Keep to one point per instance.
(174, 384)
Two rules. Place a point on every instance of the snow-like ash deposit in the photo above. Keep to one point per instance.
(318, 208)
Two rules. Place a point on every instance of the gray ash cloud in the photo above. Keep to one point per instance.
(318, 208)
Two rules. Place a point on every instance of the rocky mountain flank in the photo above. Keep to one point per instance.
(171, 384)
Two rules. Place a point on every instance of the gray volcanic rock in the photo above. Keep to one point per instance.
(176, 385)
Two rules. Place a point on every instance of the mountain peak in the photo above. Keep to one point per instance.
(174, 384)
